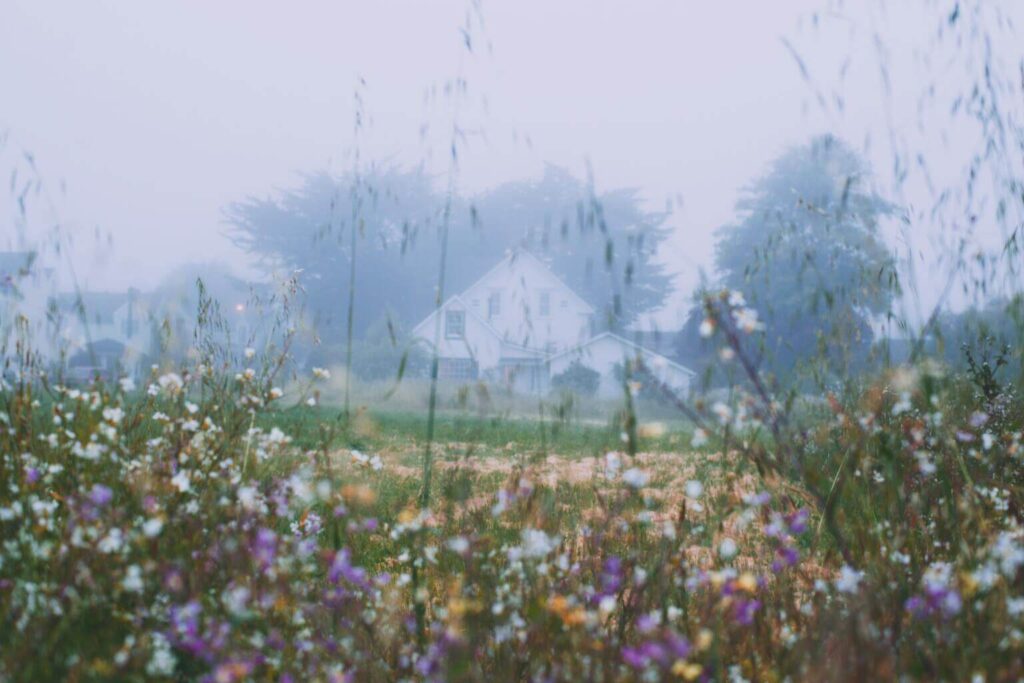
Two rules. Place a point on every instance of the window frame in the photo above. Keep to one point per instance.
(449, 317)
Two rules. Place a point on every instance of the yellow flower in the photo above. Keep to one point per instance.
(747, 582)
(686, 670)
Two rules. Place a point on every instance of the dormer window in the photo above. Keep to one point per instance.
(454, 324)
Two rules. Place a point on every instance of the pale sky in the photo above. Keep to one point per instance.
(155, 116)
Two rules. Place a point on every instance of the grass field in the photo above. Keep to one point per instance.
(191, 530)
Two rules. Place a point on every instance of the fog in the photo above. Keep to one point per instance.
(145, 121)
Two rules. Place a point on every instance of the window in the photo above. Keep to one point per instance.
(494, 305)
(545, 304)
(456, 368)
(455, 324)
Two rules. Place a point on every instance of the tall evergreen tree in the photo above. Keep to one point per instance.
(806, 253)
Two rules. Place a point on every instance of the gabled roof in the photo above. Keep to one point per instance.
(505, 344)
(522, 252)
(455, 298)
(625, 342)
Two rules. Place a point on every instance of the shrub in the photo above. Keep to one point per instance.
(578, 378)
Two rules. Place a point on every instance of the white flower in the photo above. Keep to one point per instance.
(707, 328)
(736, 298)
(537, 544)
(171, 383)
(192, 408)
(612, 464)
(236, 600)
(181, 481)
(635, 478)
(152, 527)
(722, 411)
(248, 496)
(114, 415)
(112, 542)
(133, 579)
(700, 437)
(163, 661)
(727, 548)
(746, 320)
(321, 373)
(250, 353)
(849, 579)
(458, 544)
(694, 489)
(127, 384)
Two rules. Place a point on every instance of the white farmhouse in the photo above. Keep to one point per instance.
(520, 325)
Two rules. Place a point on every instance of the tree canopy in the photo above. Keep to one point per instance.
(806, 253)
(604, 245)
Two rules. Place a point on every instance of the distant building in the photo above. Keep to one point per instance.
(520, 325)
(106, 334)
(25, 290)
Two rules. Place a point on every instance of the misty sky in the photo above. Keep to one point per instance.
(154, 116)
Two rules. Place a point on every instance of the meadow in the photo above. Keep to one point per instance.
(202, 525)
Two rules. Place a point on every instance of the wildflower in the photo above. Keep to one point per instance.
(536, 543)
(181, 481)
(707, 328)
(458, 545)
(171, 383)
(100, 495)
(162, 662)
(127, 384)
(321, 373)
(722, 411)
(700, 437)
(112, 542)
(746, 320)
(249, 353)
(694, 489)
(612, 464)
(151, 528)
(727, 548)
(133, 579)
(635, 478)
(849, 579)
(276, 393)
(113, 415)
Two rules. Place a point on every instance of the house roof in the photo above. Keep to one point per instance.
(524, 351)
(627, 343)
(522, 252)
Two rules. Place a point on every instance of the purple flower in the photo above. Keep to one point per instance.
(264, 548)
(31, 475)
(646, 623)
(744, 610)
(342, 568)
(633, 657)
(100, 495)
